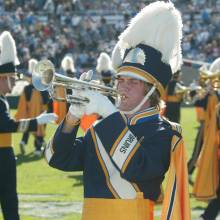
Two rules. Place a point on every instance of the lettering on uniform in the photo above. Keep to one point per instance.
(127, 143)
(124, 148)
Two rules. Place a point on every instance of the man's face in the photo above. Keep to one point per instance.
(7, 83)
(132, 92)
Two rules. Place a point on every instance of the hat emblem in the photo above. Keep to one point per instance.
(135, 55)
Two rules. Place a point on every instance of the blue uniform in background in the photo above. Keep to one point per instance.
(8, 194)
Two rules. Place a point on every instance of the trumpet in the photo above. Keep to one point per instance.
(191, 93)
(208, 77)
(44, 78)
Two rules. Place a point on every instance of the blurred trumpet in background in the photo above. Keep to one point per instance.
(207, 81)
(190, 93)
(44, 77)
(212, 78)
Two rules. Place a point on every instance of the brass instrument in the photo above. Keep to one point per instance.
(207, 77)
(44, 77)
(191, 93)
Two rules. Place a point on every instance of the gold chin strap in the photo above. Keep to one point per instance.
(146, 97)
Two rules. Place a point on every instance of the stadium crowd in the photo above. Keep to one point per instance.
(52, 28)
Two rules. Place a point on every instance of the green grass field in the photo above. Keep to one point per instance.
(39, 186)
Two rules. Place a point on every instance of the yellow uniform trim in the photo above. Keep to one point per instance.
(103, 165)
(5, 140)
(173, 98)
(149, 78)
(113, 209)
(136, 187)
(118, 140)
(143, 115)
(129, 157)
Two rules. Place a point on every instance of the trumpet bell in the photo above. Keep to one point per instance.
(43, 75)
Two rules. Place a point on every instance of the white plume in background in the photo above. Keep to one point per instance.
(157, 25)
(116, 57)
(215, 66)
(31, 65)
(8, 49)
(67, 63)
(103, 63)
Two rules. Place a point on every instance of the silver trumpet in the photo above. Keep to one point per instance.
(44, 78)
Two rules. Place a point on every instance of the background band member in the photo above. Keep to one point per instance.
(68, 69)
(200, 106)
(173, 100)
(125, 156)
(8, 62)
(105, 71)
(31, 104)
(207, 187)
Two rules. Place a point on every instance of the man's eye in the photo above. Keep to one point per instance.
(134, 81)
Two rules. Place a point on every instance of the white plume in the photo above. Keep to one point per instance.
(215, 66)
(116, 56)
(103, 63)
(8, 49)
(31, 65)
(68, 63)
(158, 25)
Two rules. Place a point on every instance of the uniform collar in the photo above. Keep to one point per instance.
(143, 116)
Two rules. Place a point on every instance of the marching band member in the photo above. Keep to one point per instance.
(68, 66)
(8, 62)
(31, 104)
(104, 69)
(207, 187)
(173, 100)
(61, 108)
(125, 156)
(200, 106)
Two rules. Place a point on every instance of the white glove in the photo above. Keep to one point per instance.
(99, 104)
(45, 118)
(86, 76)
(77, 110)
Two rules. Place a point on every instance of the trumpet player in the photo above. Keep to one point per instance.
(205, 99)
(207, 184)
(8, 192)
(31, 104)
(125, 156)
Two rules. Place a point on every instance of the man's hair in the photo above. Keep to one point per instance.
(155, 97)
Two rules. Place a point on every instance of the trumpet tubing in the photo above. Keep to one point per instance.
(44, 77)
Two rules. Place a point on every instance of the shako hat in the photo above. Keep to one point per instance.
(8, 54)
(67, 63)
(150, 47)
(104, 66)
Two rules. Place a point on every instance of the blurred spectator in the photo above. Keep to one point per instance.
(52, 28)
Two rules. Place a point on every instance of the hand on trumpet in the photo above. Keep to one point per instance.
(98, 104)
(78, 109)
